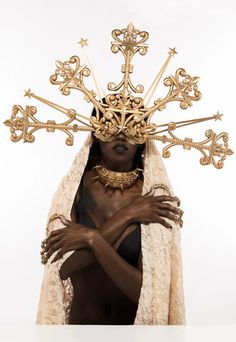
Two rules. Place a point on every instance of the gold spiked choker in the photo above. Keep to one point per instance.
(118, 180)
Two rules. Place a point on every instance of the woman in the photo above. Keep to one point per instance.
(107, 273)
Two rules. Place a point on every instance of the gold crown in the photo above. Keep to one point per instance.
(121, 110)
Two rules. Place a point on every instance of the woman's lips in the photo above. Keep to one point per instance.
(120, 148)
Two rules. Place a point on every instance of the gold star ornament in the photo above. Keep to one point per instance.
(83, 42)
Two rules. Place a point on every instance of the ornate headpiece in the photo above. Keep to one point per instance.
(123, 111)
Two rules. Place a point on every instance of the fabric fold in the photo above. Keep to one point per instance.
(161, 299)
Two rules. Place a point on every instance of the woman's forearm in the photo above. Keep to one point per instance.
(127, 277)
(110, 230)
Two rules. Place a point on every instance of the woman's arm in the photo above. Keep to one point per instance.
(145, 209)
(127, 277)
(111, 230)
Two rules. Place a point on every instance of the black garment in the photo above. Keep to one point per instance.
(129, 247)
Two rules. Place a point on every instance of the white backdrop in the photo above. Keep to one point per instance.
(35, 33)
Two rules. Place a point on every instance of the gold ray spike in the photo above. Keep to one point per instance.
(157, 79)
(84, 43)
(95, 177)
(57, 107)
(183, 123)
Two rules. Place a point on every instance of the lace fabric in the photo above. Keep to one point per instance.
(161, 300)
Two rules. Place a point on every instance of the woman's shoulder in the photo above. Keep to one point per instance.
(88, 182)
(87, 177)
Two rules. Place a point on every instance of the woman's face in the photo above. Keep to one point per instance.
(118, 151)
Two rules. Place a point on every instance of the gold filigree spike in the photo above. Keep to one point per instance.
(182, 88)
(129, 41)
(210, 148)
(84, 43)
(69, 75)
(157, 79)
(23, 124)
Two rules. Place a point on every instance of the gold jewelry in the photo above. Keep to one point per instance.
(180, 221)
(44, 258)
(123, 111)
(44, 244)
(120, 180)
(55, 217)
(162, 186)
(44, 255)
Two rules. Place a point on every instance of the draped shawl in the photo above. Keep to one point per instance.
(161, 300)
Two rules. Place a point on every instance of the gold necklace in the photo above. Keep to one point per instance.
(120, 180)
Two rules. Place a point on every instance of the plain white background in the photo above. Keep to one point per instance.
(33, 34)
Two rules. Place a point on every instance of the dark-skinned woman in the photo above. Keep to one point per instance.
(112, 249)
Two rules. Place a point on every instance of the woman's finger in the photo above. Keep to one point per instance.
(164, 223)
(167, 214)
(169, 207)
(54, 233)
(54, 248)
(52, 240)
(58, 256)
(164, 198)
(65, 221)
(44, 244)
(181, 223)
(168, 199)
(149, 193)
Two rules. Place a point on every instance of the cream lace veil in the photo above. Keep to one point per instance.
(161, 298)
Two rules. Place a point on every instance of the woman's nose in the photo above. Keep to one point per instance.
(121, 136)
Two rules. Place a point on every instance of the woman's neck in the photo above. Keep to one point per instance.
(117, 166)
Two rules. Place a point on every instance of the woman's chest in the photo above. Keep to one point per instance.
(101, 203)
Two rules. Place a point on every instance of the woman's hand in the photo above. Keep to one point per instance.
(74, 236)
(154, 209)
